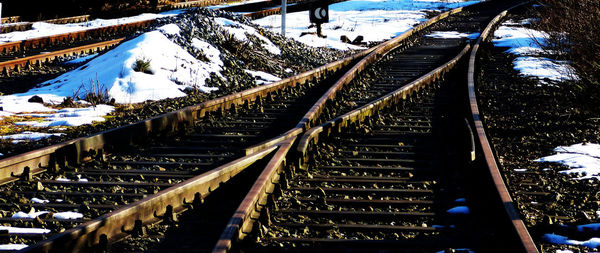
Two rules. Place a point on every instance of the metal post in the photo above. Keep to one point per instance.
(283, 11)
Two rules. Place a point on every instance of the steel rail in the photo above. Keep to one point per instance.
(7, 67)
(486, 149)
(249, 210)
(80, 149)
(379, 51)
(114, 225)
(16, 46)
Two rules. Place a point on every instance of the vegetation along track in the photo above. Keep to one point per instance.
(165, 163)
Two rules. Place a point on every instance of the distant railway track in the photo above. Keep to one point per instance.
(245, 132)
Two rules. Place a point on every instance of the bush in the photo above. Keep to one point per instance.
(142, 65)
(95, 93)
(574, 28)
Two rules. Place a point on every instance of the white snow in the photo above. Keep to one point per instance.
(526, 43)
(559, 239)
(375, 20)
(41, 29)
(68, 215)
(18, 230)
(171, 29)
(212, 53)
(173, 69)
(39, 201)
(544, 68)
(459, 210)
(12, 246)
(452, 35)
(69, 117)
(60, 215)
(262, 77)
(27, 135)
(239, 31)
(582, 158)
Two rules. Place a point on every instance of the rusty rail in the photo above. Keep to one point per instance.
(23, 26)
(15, 65)
(247, 213)
(80, 149)
(111, 227)
(365, 112)
(486, 149)
(73, 36)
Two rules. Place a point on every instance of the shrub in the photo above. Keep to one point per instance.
(142, 65)
(574, 28)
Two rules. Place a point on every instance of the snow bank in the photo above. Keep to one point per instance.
(527, 43)
(375, 20)
(582, 158)
(172, 70)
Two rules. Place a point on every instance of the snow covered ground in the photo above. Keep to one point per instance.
(375, 20)
(525, 43)
(172, 69)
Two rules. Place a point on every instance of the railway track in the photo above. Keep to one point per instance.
(364, 179)
(130, 175)
(376, 179)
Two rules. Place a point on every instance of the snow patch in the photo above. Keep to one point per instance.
(262, 77)
(170, 29)
(69, 117)
(60, 215)
(582, 158)
(28, 136)
(13, 246)
(39, 201)
(373, 19)
(172, 70)
(526, 43)
(18, 230)
(593, 242)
